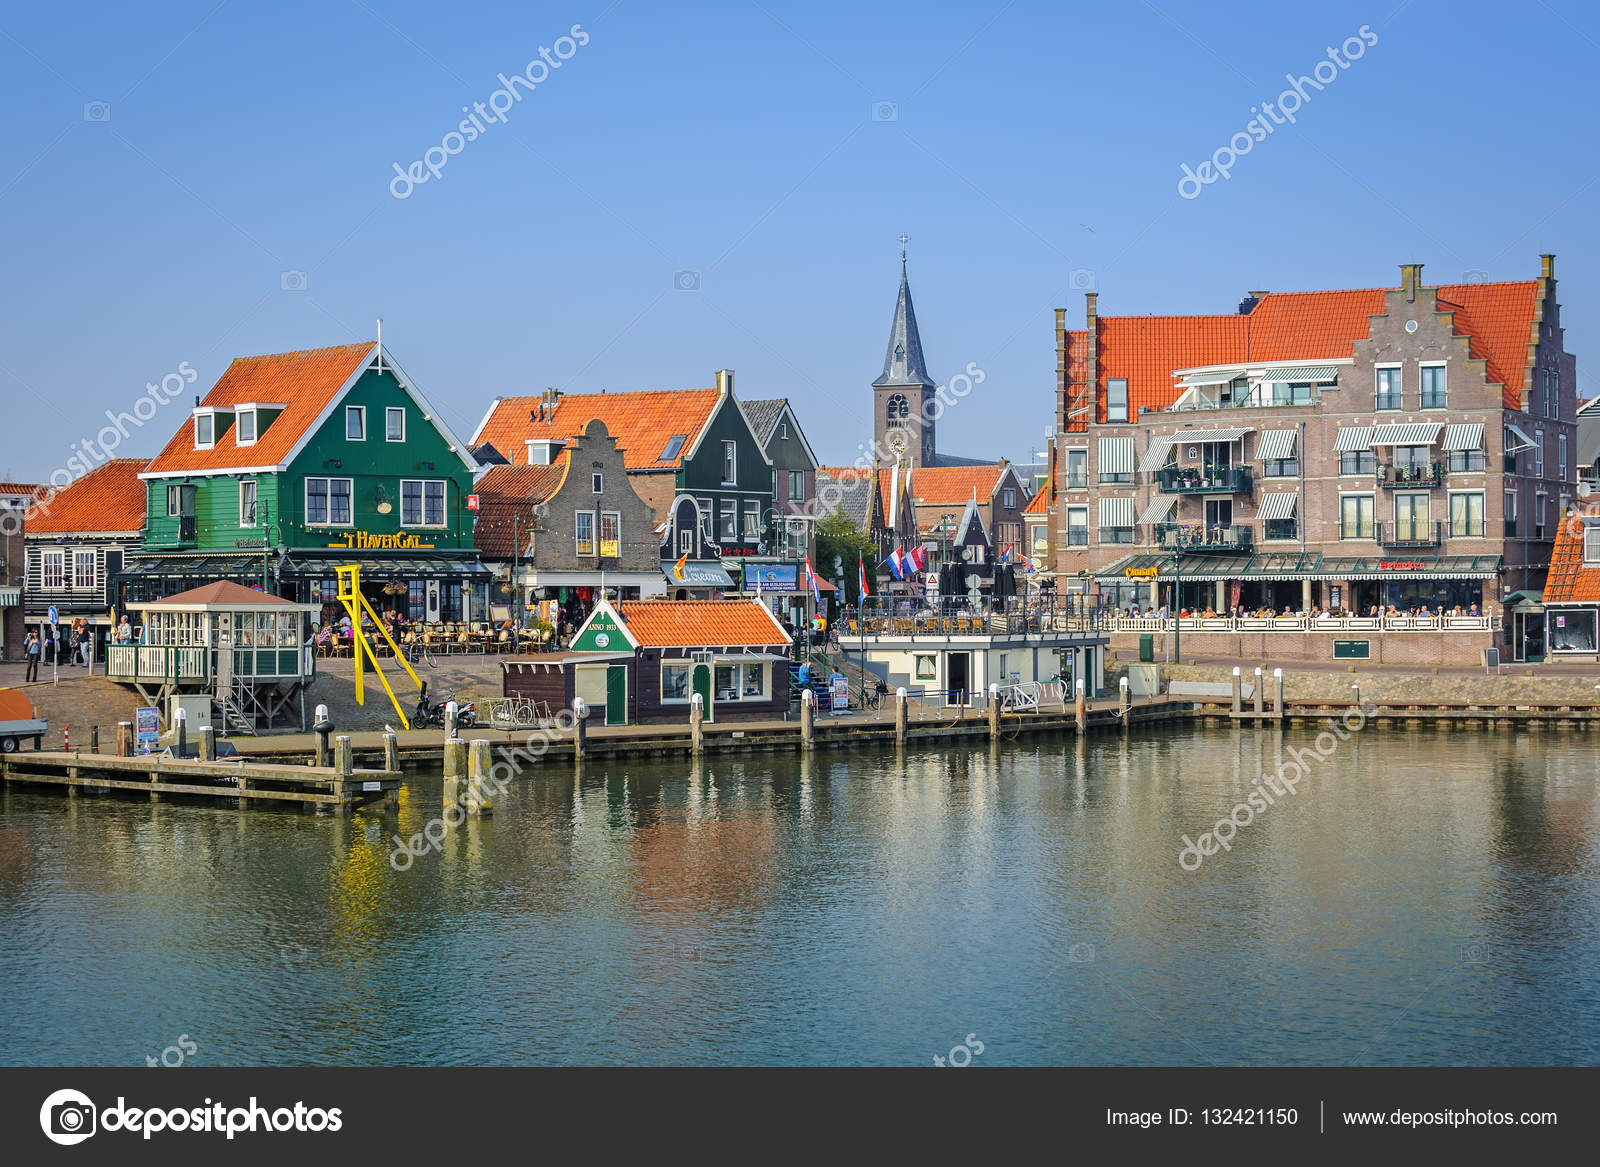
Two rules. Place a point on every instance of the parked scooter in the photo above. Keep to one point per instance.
(430, 713)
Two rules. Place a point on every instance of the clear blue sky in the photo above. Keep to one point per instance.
(738, 140)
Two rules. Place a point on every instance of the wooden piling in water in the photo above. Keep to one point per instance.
(208, 744)
(1238, 691)
(480, 765)
(808, 722)
(900, 703)
(580, 729)
(1081, 713)
(697, 715)
(994, 712)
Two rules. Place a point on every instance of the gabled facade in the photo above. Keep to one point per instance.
(794, 467)
(1572, 591)
(76, 543)
(15, 499)
(309, 460)
(940, 495)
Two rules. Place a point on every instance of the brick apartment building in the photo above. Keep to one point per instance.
(1339, 450)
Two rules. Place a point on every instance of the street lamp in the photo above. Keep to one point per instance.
(267, 528)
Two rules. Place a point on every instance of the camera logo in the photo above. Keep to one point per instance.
(687, 280)
(97, 111)
(292, 281)
(1081, 279)
(886, 111)
(67, 1117)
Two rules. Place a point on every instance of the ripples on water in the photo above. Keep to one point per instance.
(1426, 898)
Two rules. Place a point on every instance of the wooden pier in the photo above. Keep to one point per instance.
(326, 789)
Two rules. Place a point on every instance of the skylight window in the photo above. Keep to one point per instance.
(674, 444)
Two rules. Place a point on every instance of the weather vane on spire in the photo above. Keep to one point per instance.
(904, 239)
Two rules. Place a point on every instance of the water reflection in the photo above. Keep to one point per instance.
(1424, 897)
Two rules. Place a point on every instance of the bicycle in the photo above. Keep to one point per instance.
(873, 697)
(419, 653)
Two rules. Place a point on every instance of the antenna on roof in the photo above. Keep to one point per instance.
(379, 365)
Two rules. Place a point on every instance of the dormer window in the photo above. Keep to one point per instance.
(245, 434)
(205, 431)
(543, 452)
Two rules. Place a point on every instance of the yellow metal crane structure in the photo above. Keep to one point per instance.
(355, 604)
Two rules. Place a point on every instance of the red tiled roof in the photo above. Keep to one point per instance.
(1291, 326)
(1569, 581)
(21, 487)
(108, 498)
(700, 623)
(1038, 504)
(955, 485)
(303, 382)
(506, 498)
(641, 422)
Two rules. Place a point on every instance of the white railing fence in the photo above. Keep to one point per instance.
(1308, 624)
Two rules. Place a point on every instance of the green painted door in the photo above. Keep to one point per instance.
(617, 695)
(702, 686)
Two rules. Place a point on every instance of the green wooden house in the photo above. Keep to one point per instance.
(299, 462)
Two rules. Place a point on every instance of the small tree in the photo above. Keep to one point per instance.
(838, 535)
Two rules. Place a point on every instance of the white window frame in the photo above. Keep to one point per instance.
(1591, 544)
(328, 491)
(615, 517)
(1483, 515)
(577, 534)
(1070, 526)
(57, 558)
(727, 520)
(209, 443)
(597, 482)
(1561, 456)
(1069, 451)
(707, 508)
(388, 415)
(1541, 512)
(685, 542)
(765, 690)
(355, 411)
(1444, 376)
(79, 554)
(797, 476)
(238, 427)
(422, 502)
(730, 463)
(1008, 497)
(1510, 512)
(1377, 381)
(1124, 408)
(674, 664)
(253, 517)
(1358, 537)
(1538, 453)
(750, 521)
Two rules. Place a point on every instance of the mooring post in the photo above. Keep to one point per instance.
(391, 753)
(181, 717)
(451, 732)
(455, 759)
(1126, 698)
(1277, 691)
(580, 728)
(124, 739)
(94, 739)
(480, 760)
(1260, 696)
(324, 728)
(697, 715)
(344, 766)
(808, 724)
(994, 711)
(900, 704)
(1081, 716)
(208, 744)
(1238, 691)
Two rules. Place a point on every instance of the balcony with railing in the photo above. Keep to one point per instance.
(1199, 539)
(1414, 534)
(1426, 476)
(1203, 480)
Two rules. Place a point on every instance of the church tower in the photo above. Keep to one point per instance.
(903, 396)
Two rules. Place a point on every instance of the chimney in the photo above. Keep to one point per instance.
(1091, 360)
(1547, 266)
(1411, 280)
(1251, 299)
(725, 382)
(1061, 370)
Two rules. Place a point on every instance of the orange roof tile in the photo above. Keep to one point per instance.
(642, 422)
(1291, 326)
(223, 591)
(108, 498)
(1039, 504)
(506, 498)
(954, 485)
(1569, 581)
(303, 382)
(22, 487)
(701, 623)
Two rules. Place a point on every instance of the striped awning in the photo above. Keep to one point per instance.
(1116, 512)
(1157, 455)
(1215, 377)
(1300, 373)
(1351, 440)
(1216, 435)
(1527, 443)
(1464, 437)
(1279, 506)
(1276, 445)
(1411, 433)
(1158, 510)
(1116, 455)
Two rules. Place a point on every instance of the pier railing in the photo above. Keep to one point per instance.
(899, 618)
(1307, 623)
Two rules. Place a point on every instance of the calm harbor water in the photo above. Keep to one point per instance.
(1425, 898)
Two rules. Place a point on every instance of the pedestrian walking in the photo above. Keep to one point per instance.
(33, 650)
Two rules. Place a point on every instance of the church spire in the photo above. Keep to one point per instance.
(902, 363)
